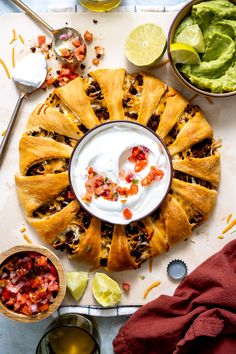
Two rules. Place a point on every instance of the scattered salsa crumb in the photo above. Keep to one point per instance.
(95, 21)
(88, 36)
(142, 277)
(126, 287)
(152, 286)
(95, 61)
(127, 213)
(99, 50)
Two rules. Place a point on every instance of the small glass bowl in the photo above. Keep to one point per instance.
(69, 333)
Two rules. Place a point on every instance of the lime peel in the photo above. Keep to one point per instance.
(184, 54)
(192, 35)
(106, 290)
(76, 283)
(145, 45)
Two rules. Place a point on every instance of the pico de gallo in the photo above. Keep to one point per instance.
(29, 283)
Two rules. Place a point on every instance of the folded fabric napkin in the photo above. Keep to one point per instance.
(199, 318)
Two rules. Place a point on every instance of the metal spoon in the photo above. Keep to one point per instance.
(57, 42)
(28, 75)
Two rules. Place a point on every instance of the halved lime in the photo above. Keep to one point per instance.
(145, 45)
(76, 283)
(192, 35)
(184, 54)
(106, 290)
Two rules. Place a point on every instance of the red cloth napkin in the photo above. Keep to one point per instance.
(200, 318)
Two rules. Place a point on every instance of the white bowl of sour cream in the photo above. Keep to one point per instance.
(120, 171)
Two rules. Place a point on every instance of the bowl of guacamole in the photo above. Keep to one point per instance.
(204, 33)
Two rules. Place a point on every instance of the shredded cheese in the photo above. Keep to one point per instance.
(23, 229)
(13, 57)
(150, 264)
(27, 238)
(5, 68)
(152, 286)
(220, 237)
(228, 227)
(14, 38)
(21, 39)
(3, 132)
(229, 217)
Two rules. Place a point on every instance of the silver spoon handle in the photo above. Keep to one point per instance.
(32, 14)
(11, 126)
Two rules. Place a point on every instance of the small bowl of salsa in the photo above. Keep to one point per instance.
(32, 283)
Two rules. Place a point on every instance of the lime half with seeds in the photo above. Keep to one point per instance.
(192, 35)
(106, 290)
(76, 283)
(145, 45)
(184, 54)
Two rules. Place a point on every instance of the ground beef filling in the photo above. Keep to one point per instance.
(153, 122)
(132, 88)
(106, 236)
(190, 179)
(53, 206)
(52, 135)
(48, 166)
(138, 240)
(202, 149)
(96, 97)
(70, 239)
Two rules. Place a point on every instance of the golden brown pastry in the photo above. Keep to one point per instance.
(52, 132)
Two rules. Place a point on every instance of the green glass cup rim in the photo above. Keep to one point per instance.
(50, 330)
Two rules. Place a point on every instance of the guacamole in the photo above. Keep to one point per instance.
(217, 70)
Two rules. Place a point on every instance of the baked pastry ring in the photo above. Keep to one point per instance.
(52, 131)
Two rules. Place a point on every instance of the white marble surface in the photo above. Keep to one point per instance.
(18, 338)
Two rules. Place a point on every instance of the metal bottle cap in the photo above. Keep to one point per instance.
(177, 269)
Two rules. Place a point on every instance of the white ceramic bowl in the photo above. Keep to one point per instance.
(109, 145)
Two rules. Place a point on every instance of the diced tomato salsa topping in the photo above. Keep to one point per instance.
(140, 157)
(127, 213)
(154, 175)
(98, 185)
(28, 283)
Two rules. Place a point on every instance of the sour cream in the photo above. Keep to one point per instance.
(107, 148)
(31, 70)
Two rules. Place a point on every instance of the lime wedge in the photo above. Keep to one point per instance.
(184, 54)
(76, 283)
(106, 290)
(192, 35)
(145, 45)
